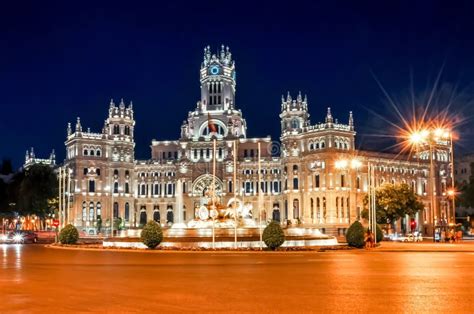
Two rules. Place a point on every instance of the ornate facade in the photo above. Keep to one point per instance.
(313, 175)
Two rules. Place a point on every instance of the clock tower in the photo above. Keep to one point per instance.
(217, 77)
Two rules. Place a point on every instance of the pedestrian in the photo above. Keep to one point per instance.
(367, 239)
(458, 236)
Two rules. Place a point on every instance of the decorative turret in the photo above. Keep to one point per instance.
(294, 113)
(329, 119)
(69, 129)
(351, 121)
(78, 125)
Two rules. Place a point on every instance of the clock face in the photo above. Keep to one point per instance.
(214, 70)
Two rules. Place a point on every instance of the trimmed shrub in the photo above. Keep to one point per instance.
(273, 235)
(68, 235)
(378, 234)
(151, 234)
(355, 235)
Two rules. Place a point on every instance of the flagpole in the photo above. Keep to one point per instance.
(259, 196)
(213, 191)
(68, 190)
(235, 195)
(60, 197)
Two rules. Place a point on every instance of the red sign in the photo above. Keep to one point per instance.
(55, 223)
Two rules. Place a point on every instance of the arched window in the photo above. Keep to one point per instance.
(342, 207)
(84, 211)
(127, 187)
(116, 210)
(127, 211)
(127, 130)
(317, 145)
(295, 184)
(312, 208)
(116, 173)
(85, 152)
(322, 144)
(358, 183)
(170, 214)
(324, 207)
(229, 187)
(295, 124)
(337, 207)
(98, 207)
(143, 189)
(91, 152)
(318, 207)
(98, 153)
(116, 186)
(295, 168)
(91, 211)
(311, 146)
(127, 173)
(296, 208)
(116, 129)
(143, 217)
(156, 214)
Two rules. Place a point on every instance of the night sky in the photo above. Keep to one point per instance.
(59, 61)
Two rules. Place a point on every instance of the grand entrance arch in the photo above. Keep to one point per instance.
(203, 184)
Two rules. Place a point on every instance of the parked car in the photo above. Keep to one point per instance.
(411, 237)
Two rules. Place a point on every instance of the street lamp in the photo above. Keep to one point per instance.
(431, 137)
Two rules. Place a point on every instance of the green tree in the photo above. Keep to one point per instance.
(151, 235)
(394, 201)
(273, 235)
(38, 191)
(355, 235)
(68, 235)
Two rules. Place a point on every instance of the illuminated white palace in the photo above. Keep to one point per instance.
(313, 175)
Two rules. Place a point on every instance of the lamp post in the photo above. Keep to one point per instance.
(432, 138)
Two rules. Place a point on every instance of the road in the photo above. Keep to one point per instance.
(35, 279)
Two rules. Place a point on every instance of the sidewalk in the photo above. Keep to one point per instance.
(386, 246)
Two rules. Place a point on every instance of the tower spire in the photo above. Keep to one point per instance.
(329, 118)
(351, 121)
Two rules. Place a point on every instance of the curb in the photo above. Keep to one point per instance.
(322, 250)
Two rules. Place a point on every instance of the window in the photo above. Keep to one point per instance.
(317, 183)
(246, 153)
(85, 170)
(252, 153)
(85, 152)
(358, 183)
(116, 209)
(91, 211)
(155, 189)
(98, 210)
(229, 188)
(84, 211)
(116, 186)
(91, 152)
(342, 180)
(295, 184)
(91, 186)
(127, 211)
(127, 130)
(143, 191)
(98, 153)
(295, 168)
(116, 129)
(127, 173)
(97, 171)
(127, 187)
(116, 172)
